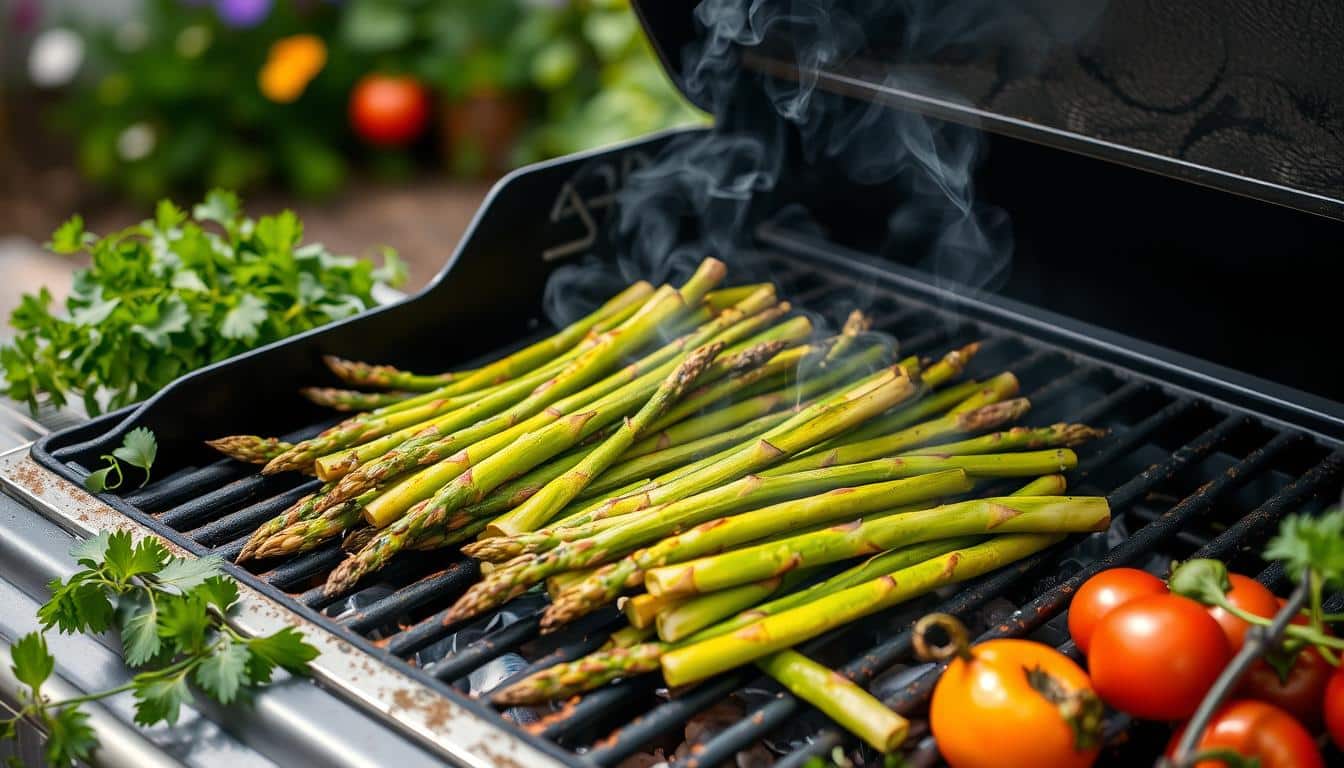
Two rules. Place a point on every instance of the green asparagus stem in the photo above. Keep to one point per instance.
(643, 609)
(593, 670)
(434, 450)
(840, 504)
(622, 305)
(303, 509)
(839, 698)
(789, 628)
(995, 390)
(1015, 439)
(347, 400)
(986, 417)
(303, 535)
(926, 407)
(250, 448)
(1016, 514)
(542, 506)
(832, 498)
(680, 618)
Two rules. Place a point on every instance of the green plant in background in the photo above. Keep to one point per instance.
(171, 102)
(600, 79)
(173, 294)
(188, 95)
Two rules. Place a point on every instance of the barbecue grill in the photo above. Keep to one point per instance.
(1228, 426)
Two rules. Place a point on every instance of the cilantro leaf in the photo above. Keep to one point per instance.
(187, 574)
(244, 321)
(97, 482)
(160, 699)
(90, 552)
(138, 448)
(70, 237)
(222, 674)
(78, 606)
(32, 663)
(70, 738)
(393, 273)
(183, 622)
(220, 592)
(167, 215)
(170, 317)
(220, 206)
(1311, 543)
(286, 649)
(138, 619)
(126, 561)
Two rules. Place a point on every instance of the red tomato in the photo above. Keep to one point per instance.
(1250, 596)
(1259, 730)
(1302, 694)
(1155, 657)
(1104, 592)
(1334, 708)
(388, 110)
(1006, 707)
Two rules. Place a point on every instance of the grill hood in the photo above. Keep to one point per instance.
(1243, 95)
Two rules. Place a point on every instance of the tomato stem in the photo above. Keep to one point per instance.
(957, 644)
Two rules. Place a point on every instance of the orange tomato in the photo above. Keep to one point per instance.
(1015, 703)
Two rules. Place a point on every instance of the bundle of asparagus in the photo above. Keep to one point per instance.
(696, 454)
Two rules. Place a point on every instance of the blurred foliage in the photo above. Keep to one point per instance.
(168, 101)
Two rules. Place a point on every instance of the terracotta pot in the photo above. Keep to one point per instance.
(480, 131)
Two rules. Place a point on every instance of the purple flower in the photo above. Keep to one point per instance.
(243, 13)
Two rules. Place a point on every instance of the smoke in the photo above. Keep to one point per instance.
(704, 192)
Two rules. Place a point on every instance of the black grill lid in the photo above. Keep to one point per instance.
(1242, 95)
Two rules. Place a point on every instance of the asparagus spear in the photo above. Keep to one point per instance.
(303, 509)
(980, 419)
(839, 698)
(1018, 514)
(250, 448)
(452, 413)
(844, 503)
(542, 506)
(535, 412)
(995, 390)
(400, 497)
(640, 657)
(786, 629)
(590, 672)
(303, 535)
(469, 487)
(621, 305)
(680, 617)
(818, 422)
(347, 400)
(840, 503)
(1015, 439)
(906, 414)
(642, 609)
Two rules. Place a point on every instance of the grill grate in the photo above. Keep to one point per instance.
(1183, 474)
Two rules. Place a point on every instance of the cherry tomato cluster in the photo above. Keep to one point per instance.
(1154, 655)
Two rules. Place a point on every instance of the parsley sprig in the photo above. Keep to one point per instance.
(172, 294)
(172, 615)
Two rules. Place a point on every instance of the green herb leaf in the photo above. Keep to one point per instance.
(393, 273)
(183, 622)
(220, 206)
(97, 482)
(138, 448)
(138, 618)
(244, 321)
(69, 237)
(220, 592)
(70, 738)
(1311, 543)
(32, 662)
(224, 672)
(286, 649)
(159, 699)
(78, 606)
(188, 574)
(91, 552)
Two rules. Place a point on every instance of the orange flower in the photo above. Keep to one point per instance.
(292, 63)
